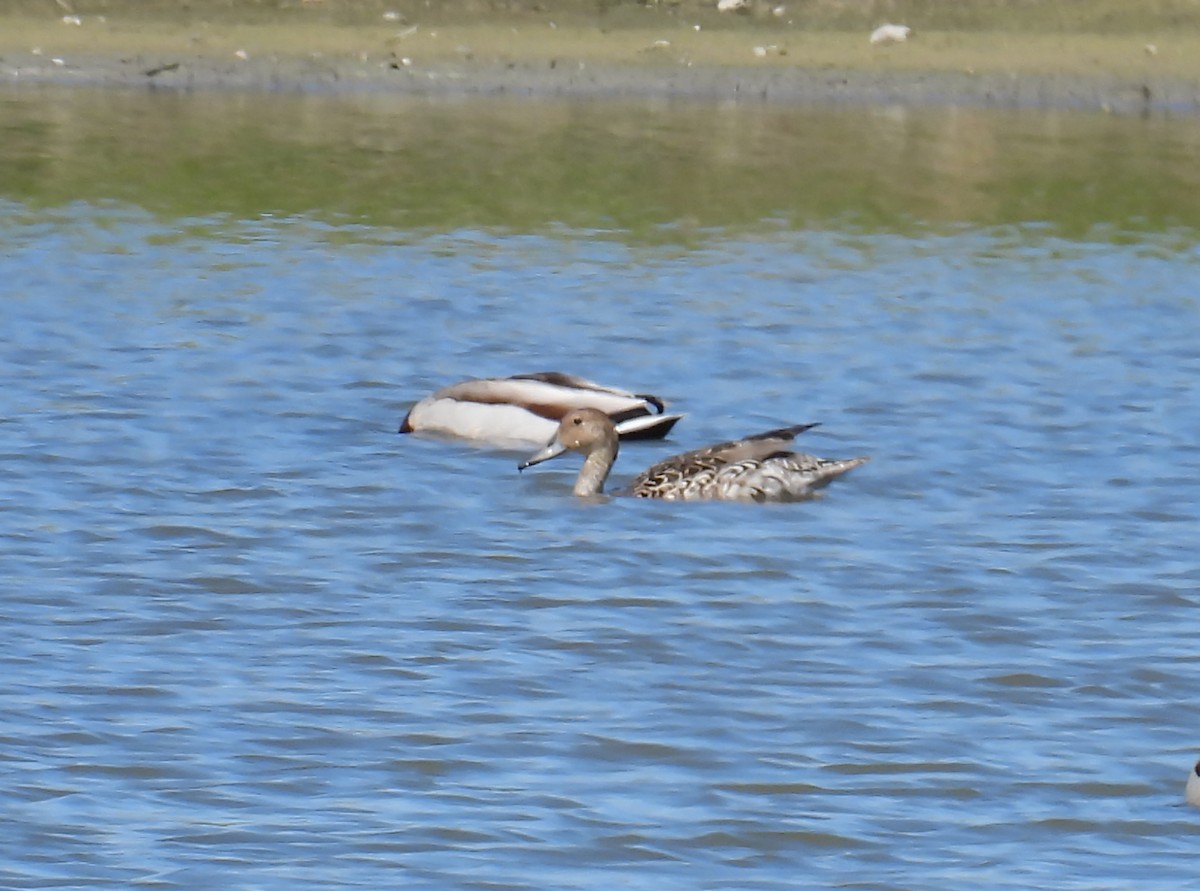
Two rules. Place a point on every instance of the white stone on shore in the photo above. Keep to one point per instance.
(890, 34)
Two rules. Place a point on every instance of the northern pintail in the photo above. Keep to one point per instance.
(1192, 795)
(526, 408)
(757, 468)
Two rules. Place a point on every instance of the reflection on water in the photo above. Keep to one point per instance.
(524, 165)
(254, 639)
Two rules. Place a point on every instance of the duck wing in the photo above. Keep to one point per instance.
(758, 447)
(757, 468)
(574, 382)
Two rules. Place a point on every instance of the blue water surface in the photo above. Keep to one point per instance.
(255, 639)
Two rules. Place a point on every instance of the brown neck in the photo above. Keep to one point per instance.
(595, 470)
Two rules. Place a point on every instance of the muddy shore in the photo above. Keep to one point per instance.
(1134, 74)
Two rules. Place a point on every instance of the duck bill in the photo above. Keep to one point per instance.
(552, 450)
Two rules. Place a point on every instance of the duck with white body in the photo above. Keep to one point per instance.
(526, 408)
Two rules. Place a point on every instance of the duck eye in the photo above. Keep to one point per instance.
(577, 421)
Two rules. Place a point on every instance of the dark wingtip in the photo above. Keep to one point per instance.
(653, 400)
(664, 428)
(785, 432)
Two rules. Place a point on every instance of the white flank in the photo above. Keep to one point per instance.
(475, 420)
(647, 422)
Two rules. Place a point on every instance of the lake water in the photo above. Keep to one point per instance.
(256, 640)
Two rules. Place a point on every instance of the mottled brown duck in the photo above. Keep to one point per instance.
(758, 468)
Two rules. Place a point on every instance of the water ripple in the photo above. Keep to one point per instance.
(255, 639)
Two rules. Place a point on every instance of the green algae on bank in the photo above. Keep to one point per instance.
(385, 166)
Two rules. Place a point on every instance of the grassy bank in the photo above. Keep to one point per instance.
(1047, 16)
(1152, 47)
(1145, 55)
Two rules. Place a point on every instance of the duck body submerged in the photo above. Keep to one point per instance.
(758, 468)
(527, 408)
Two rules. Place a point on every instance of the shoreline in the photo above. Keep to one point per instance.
(601, 81)
(1125, 75)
